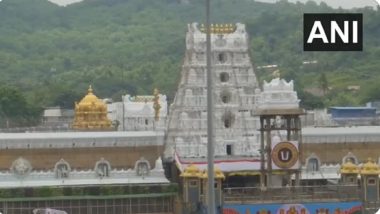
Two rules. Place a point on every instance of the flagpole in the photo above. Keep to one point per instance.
(210, 130)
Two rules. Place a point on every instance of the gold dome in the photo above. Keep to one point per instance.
(191, 171)
(349, 168)
(370, 168)
(91, 113)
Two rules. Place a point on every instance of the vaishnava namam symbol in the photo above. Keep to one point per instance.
(285, 155)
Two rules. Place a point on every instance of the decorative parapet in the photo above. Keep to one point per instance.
(57, 140)
(142, 167)
(370, 168)
(192, 171)
(349, 168)
(141, 98)
(278, 94)
(21, 167)
(37, 178)
(325, 171)
(62, 169)
(232, 37)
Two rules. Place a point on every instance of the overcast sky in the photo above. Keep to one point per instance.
(64, 2)
(333, 3)
(347, 4)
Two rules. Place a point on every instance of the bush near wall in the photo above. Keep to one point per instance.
(87, 191)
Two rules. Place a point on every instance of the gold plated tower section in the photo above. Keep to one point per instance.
(91, 113)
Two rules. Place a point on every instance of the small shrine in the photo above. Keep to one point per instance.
(91, 113)
(195, 188)
(278, 94)
(349, 173)
(369, 174)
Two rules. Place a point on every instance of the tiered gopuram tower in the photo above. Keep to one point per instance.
(235, 88)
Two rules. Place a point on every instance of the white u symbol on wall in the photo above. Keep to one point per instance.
(284, 155)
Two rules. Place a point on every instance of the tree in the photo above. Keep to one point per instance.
(14, 109)
(119, 45)
(67, 99)
(371, 93)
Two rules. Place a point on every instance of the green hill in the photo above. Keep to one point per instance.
(51, 54)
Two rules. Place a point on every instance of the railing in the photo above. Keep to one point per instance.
(36, 129)
(292, 194)
(159, 203)
(371, 206)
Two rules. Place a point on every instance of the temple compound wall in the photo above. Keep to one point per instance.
(81, 149)
(326, 149)
(81, 158)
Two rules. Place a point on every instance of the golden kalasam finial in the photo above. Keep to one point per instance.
(156, 104)
(202, 27)
(225, 28)
(89, 89)
(218, 28)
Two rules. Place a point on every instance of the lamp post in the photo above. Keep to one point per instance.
(210, 130)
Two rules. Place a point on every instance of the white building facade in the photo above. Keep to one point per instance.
(139, 113)
(234, 93)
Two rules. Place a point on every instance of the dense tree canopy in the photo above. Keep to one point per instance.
(14, 109)
(51, 53)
